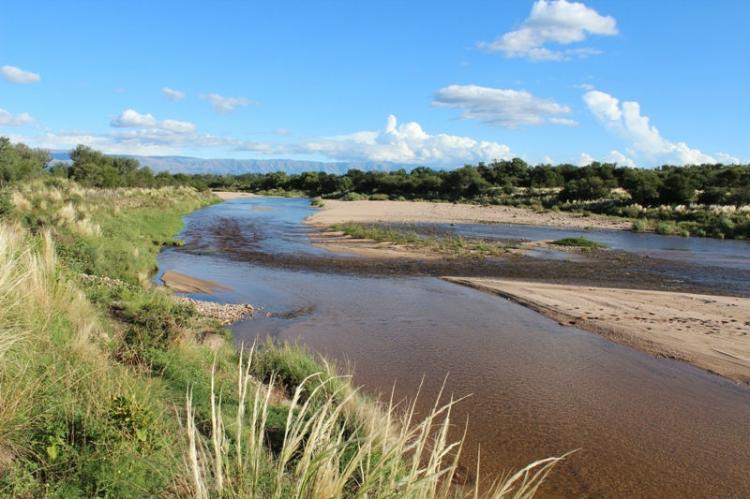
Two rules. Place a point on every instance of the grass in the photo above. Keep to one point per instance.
(445, 244)
(579, 242)
(107, 390)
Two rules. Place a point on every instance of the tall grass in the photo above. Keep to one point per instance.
(334, 445)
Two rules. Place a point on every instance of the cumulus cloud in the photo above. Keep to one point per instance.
(616, 156)
(585, 159)
(18, 75)
(553, 21)
(8, 119)
(222, 104)
(400, 143)
(727, 159)
(625, 118)
(130, 118)
(172, 94)
(503, 107)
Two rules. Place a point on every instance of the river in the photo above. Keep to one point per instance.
(644, 426)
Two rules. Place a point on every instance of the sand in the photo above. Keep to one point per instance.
(185, 284)
(711, 332)
(334, 212)
(225, 195)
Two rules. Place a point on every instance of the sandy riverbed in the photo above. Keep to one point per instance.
(182, 283)
(711, 332)
(334, 212)
(226, 195)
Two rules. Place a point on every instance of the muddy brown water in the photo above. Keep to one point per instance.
(644, 427)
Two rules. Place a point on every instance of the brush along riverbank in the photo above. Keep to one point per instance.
(108, 390)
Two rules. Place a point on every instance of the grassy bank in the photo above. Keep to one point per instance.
(446, 244)
(109, 389)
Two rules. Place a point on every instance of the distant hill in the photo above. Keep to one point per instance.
(187, 164)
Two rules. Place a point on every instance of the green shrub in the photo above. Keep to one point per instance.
(579, 242)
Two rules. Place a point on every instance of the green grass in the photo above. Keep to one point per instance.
(579, 242)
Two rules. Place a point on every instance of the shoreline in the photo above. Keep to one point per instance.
(227, 195)
(668, 324)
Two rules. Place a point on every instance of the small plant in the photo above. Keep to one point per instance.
(579, 242)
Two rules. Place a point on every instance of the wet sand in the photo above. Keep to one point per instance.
(335, 211)
(707, 331)
(182, 283)
(226, 195)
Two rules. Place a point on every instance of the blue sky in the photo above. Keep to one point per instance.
(437, 83)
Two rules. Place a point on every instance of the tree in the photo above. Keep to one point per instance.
(20, 162)
(677, 188)
(642, 185)
(584, 189)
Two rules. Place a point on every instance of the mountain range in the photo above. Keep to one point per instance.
(228, 166)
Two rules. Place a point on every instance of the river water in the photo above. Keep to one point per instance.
(644, 427)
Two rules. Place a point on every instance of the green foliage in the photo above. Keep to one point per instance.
(19, 162)
(677, 189)
(579, 242)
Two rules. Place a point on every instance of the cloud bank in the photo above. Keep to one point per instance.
(400, 143)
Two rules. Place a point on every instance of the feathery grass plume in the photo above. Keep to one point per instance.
(333, 448)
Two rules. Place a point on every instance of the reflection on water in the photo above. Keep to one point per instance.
(646, 427)
(272, 225)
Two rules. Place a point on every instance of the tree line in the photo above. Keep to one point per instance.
(711, 184)
(671, 185)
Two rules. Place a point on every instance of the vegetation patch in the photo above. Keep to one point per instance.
(579, 242)
(447, 244)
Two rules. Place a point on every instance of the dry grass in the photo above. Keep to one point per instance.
(334, 445)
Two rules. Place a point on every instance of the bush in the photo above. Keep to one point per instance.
(579, 242)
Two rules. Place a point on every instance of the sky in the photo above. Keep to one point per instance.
(437, 83)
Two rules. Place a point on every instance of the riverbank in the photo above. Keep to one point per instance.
(336, 212)
(710, 332)
(121, 389)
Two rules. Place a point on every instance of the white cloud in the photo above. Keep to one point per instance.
(728, 159)
(18, 75)
(553, 21)
(503, 107)
(8, 119)
(400, 143)
(131, 118)
(585, 159)
(616, 156)
(222, 104)
(626, 119)
(172, 94)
